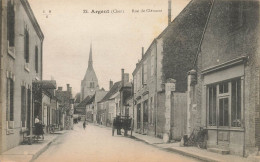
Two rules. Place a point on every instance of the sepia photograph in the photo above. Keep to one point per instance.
(129, 80)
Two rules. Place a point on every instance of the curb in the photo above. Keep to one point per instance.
(170, 149)
(42, 150)
(202, 158)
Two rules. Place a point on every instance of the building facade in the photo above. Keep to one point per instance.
(224, 85)
(66, 106)
(21, 64)
(170, 56)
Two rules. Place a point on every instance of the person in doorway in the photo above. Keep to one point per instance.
(36, 120)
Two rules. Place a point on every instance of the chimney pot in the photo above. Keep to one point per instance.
(126, 77)
(142, 52)
(110, 84)
(122, 75)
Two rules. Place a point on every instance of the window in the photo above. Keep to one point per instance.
(223, 112)
(212, 105)
(236, 103)
(145, 114)
(225, 98)
(92, 85)
(145, 72)
(135, 83)
(151, 111)
(152, 64)
(10, 100)
(36, 59)
(10, 23)
(23, 106)
(26, 45)
(235, 14)
(138, 116)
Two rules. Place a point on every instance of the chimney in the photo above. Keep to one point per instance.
(110, 84)
(122, 75)
(169, 11)
(68, 87)
(60, 88)
(126, 77)
(142, 52)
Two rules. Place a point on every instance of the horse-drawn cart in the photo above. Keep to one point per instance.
(122, 122)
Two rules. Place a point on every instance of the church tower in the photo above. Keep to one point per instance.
(89, 84)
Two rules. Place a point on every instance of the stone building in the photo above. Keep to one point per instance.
(109, 105)
(224, 84)
(66, 104)
(80, 109)
(168, 58)
(20, 64)
(89, 84)
(46, 104)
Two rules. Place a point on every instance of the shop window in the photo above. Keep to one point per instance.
(236, 103)
(212, 105)
(223, 112)
(224, 104)
(223, 88)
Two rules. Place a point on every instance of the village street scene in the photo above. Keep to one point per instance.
(169, 80)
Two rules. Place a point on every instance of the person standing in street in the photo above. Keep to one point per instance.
(84, 124)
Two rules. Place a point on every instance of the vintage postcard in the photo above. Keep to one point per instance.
(146, 80)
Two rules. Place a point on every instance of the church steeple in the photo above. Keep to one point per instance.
(90, 61)
(89, 84)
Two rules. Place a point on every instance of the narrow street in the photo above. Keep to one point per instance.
(97, 144)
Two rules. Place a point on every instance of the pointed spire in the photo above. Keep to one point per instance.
(90, 61)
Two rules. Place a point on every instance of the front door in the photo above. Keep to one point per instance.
(138, 116)
(28, 120)
(145, 116)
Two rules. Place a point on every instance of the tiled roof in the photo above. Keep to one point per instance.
(46, 84)
(116, 87)
(84, 102)
(77, 98)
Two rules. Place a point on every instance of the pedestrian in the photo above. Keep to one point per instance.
(84, 125)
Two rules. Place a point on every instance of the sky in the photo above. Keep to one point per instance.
(117, 37)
